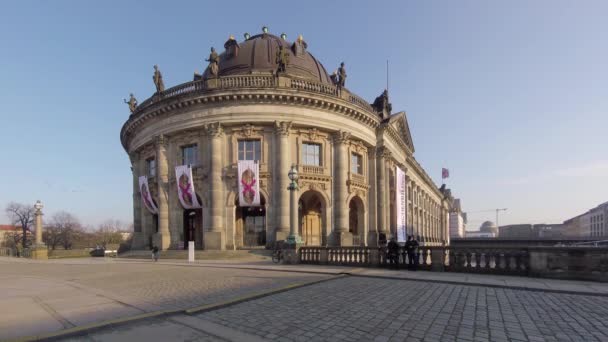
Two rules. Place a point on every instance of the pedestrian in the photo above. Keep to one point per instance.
(382, 239)
(155, 253)
(393, 253)
(411, 247)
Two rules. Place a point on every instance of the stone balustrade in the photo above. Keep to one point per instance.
(588, 263)
(253, 81)
(314, 170)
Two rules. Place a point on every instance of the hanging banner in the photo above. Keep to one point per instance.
(185, 187)
(146, 197)
(249, 184)
(401, 203)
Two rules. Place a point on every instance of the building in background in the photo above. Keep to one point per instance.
(458, 220)
(593, 223)
(7, 231)
(488, 229)
(531, 231)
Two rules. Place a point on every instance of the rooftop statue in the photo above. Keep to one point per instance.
(158, 80)
(334, 77)
(214, 63)
(282, 59)
(132, 103)
(341, 75)
(381, 103)
(299, 46)
(232, 47)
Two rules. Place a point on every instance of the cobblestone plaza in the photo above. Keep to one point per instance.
(367, 305)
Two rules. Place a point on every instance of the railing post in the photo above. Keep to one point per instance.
(323, 256)
(438, 259)
(374, 257)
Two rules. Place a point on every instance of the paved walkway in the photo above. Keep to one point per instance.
(374, 304)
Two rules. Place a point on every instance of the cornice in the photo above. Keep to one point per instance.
(248, 96)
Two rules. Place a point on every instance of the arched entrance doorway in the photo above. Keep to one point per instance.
(311, 208)
(250, 224)
(193, 228)
(356, 220)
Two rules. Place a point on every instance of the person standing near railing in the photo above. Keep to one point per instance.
(393, 253)
(411, 247)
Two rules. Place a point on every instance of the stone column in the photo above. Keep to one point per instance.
(214, 237)
(372, 236)
(382, 205)
(341, 235)
(281, 181)
(38, 224)
(163, 237)
(137, 242)
(39, 250)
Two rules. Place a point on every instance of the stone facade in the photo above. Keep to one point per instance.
(346, 198)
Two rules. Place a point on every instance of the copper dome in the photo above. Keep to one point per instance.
(258, 53)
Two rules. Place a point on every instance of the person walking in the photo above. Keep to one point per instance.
(393, 253)
(411, 247)
(155, 253)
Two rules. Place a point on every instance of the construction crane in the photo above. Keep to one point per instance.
(496, 210)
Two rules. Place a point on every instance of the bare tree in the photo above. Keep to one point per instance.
(21, 215)
(64, 229)
(109, 232)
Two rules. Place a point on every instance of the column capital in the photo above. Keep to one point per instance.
(214, 129)
(341, 137)
(282, 127)
(383, 152)
(161, 140)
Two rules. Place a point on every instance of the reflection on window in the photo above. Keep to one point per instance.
(151, 167)
(249, 150)
(311, 154)
(356, 164)
(189, 155)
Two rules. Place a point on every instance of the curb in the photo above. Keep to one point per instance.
(509, 287)
(88, 328)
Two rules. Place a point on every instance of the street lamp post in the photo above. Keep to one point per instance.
(294, 241)
(39, 251)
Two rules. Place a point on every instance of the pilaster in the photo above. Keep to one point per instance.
(341, 235)
(137, 242)
(282, 166)
(215, 235)
(163, 237)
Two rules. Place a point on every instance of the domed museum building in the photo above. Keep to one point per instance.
(211, 157)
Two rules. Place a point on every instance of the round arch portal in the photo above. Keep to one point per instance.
(312, 211)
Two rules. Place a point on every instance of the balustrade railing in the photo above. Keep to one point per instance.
(315, 170)
(252, 81)
(515, 261)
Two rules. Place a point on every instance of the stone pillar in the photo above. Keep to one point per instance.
(341, 236)
(282, 165)
(382, 205)
(38, 224)
(137, 242)
(39, 250)
(214, 237)
(372, 236)
(162, 239)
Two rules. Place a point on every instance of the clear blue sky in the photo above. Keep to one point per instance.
(511, 96)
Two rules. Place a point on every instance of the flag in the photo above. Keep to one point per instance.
(249, 186)
(185, 187)
(445, 173)
(146, 196)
